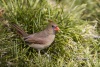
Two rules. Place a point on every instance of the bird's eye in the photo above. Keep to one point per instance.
(52, 26)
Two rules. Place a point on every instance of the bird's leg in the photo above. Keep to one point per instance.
(47, 55)
(39, 52)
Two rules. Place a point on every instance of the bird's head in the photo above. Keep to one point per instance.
(53, 25)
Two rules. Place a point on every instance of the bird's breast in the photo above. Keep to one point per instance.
(50, 39)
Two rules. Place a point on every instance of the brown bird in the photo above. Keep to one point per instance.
(39, 40)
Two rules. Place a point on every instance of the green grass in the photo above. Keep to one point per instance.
(74, 45)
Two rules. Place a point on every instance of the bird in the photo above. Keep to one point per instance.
(39, 40)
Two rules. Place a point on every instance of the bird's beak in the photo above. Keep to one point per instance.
(56, 29)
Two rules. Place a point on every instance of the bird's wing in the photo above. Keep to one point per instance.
(36, 40)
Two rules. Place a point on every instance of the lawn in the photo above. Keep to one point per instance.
(77, 44)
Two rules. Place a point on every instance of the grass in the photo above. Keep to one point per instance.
(76, 45)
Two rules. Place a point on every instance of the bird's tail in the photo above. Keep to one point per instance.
(19, 30)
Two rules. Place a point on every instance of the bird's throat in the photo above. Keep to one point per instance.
(51, 31)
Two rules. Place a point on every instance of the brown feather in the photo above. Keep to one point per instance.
(19, 30)
(35, 40)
